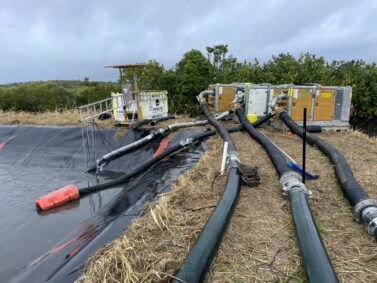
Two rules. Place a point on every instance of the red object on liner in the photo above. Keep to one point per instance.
(163, 145)
(58, 197)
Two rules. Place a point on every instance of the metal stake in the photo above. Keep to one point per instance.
(304, 148)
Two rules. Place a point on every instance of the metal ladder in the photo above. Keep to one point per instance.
(93, 110)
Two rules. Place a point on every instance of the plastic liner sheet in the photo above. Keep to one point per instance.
(52, 246)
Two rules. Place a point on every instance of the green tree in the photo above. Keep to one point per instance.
(193, 74)
(281, 69)
(313, 69)
(216, 55)
(150, 76)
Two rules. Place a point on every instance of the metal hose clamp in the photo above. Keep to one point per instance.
(232, 159)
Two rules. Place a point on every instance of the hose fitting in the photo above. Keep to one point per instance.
(232, 159)
(366, 211)
(187, 141)
(291, 181)
(369, 216)
(202, 96)
(361, 206)
(276, 99)
(235, 105)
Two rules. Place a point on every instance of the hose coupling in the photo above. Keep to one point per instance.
(361, 206)
(202, 96)
(369, 217)
(234, 106)
(232, 159)
(100, 164)
(276, 99)
(291, 182)
(187, 141)
(160, 131)
(238, 98)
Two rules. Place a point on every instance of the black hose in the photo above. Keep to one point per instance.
(170, 150)
(219, 127)
(202, 252)
(350, 187)
(273, 152)
(318, 267)
(317, 264)
(198, 260)
(262, 120)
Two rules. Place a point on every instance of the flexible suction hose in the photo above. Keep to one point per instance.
(317, 264)
(153, 134)
(273, 152)
(352, 190)
(71, 192)
(365, 208)
(205, 247)
(168, 151)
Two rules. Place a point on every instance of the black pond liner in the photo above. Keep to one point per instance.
(53, 246)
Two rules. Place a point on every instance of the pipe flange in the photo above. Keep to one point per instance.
(361, 205)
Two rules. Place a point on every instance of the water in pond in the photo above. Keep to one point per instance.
(52, 246)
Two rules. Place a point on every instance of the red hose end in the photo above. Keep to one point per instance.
(58, 197)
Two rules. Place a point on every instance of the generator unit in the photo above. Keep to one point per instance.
(327, 106)
(224, 94)
(140, 105)
(152, 104)
(257, 98)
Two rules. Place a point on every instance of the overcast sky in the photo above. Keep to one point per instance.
(56, 39)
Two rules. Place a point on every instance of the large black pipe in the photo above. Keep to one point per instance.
(317, 263)
(350, 187)
(198, 260)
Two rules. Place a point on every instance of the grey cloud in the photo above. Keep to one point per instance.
(42, 40)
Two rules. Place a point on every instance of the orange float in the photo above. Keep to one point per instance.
(58, 197)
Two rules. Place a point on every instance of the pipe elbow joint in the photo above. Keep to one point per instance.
(203, 95)
(274, 104)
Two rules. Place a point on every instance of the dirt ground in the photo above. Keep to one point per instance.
(260, 243)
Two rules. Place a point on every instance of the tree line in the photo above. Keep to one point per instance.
(195, 71)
